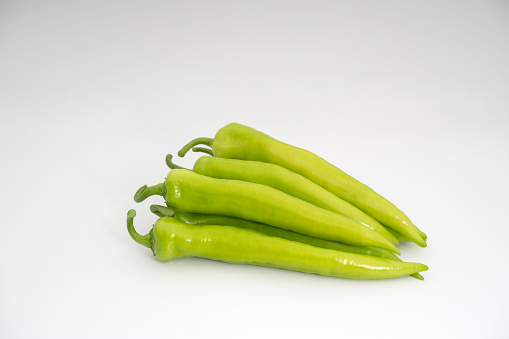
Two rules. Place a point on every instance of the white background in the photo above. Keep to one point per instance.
(411, 98)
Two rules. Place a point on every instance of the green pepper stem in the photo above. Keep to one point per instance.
(162, 211)
(192, 143)
(203, 150)
(170, 163)
(144, 240)
(144, 192)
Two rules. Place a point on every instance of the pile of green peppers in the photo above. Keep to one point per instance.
(253, 199)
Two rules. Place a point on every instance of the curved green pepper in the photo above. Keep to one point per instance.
(191, 192)
(236, 141)
(170, 239)
(208, 219)
(286, 181)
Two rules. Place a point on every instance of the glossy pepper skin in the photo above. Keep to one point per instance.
(208, 219)
(286, 181)
(191, 192)
(236, 141)
(170, 239)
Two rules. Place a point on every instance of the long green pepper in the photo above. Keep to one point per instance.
(170, 239)
(191, 192)
(236, 141)
(208, 219)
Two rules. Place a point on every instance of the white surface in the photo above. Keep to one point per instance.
(410, 98)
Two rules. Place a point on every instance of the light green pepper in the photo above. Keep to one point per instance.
(191, 192)
(208, 219)
(170, 239)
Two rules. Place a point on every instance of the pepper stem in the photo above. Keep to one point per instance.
(144, 240)
(146, 191)
(203, 150)
(170, 163)
(162, 211)
(192, 143)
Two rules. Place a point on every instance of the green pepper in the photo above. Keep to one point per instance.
(236, 141)
(170, 239)
(208, 219)
(191, 192)
(286, 181)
